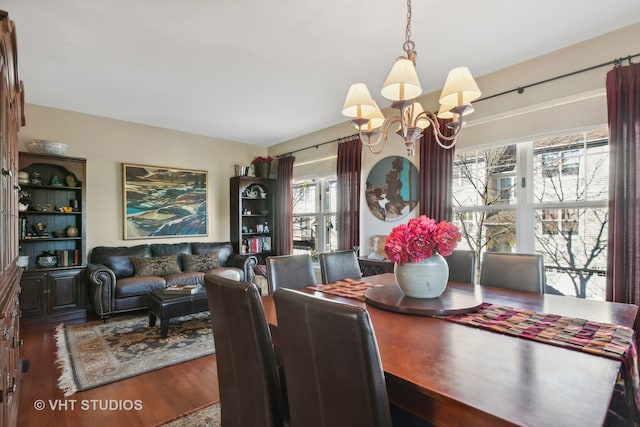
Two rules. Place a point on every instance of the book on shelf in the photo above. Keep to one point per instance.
(67, 257)
(183, 289)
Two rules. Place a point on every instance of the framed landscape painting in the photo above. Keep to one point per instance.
(163, 202)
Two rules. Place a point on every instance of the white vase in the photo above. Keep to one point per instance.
(425, 279)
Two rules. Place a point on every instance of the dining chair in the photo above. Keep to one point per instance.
(290, 271)
(339, 265)
(462, 266)
(332, 366)
(523, 272)
(251, 393)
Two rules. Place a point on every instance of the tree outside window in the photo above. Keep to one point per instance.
(561, 213)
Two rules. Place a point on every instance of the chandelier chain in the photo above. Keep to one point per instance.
(409, 45)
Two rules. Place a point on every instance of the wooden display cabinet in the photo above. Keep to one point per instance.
(52, 220)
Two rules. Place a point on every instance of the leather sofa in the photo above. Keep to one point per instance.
(120, 280)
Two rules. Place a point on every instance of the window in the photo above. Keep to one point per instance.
(314, 215)
(547, 196)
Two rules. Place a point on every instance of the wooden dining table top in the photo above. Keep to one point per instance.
(456, 375)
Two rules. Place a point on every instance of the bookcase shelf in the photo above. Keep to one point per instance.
(251, 217)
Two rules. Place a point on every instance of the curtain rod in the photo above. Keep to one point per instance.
(519, 90)
(338, 140)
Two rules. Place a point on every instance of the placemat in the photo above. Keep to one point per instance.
(348, 288)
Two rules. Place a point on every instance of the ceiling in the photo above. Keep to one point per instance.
(263, 72)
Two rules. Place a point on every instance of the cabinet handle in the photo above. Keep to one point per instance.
(5, 333)
(6, 172)
(13, 387)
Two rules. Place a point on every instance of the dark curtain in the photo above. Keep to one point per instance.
(623, 259)
(436, 174)
(348, 171)
(284, 206)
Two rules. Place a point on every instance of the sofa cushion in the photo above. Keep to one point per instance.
(117, 258)
(135, 286)
(199, 262)
(165, 249)
(155, 266)
(224, 249)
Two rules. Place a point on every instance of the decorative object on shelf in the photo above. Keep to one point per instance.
(24, 200)
(150, 213)
(73, 203)
(35, 178)
(23, 261)
(255, 191)
(392, 189)
(47, 147)
(43, 207)
(417, 248)
(403, 87)
(71, 231)
(262, 166)
(70, 180)
(46, 259)
(55, 181)
(24, 177)
(242, 170)
(39, 227)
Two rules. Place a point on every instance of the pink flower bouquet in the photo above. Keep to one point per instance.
(420, 238)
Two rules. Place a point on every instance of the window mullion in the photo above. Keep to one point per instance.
(525, 223)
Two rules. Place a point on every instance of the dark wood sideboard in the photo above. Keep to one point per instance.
(371, 267)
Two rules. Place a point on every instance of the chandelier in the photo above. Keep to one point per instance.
(403, 87)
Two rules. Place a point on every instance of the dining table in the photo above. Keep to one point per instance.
(453, 374)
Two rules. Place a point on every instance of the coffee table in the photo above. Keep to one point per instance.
(165, 306)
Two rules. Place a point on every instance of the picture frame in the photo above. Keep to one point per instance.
(163, 202)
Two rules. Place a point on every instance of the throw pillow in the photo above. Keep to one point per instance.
(193, 263)
(155, 266)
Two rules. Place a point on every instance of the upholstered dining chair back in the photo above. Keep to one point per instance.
(462, 266)
(339, 265)
(332, 366)
(524, 272)
(290, 271)
(250, 390)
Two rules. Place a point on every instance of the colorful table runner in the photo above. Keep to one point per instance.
(603, 339)
(348, 288)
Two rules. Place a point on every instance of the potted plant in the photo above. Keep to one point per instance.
(262, 166)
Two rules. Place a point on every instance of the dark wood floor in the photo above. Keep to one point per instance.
(163, 394)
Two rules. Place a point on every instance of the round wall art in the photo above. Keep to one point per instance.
(392, 188)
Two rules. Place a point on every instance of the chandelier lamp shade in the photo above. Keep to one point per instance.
(402, 87)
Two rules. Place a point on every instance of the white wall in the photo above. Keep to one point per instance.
(107, 143)
(570, 103)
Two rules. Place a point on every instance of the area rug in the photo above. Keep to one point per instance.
(209, 416)
(97, 353)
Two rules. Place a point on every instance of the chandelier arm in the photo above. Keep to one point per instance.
(439, 136)
(365, 137)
